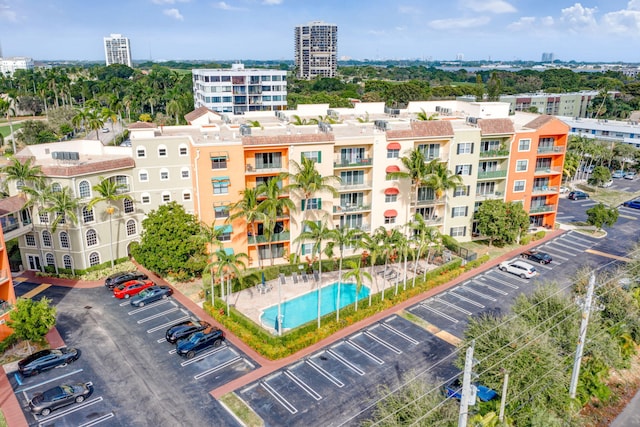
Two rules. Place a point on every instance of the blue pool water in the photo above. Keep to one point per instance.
(304, 308)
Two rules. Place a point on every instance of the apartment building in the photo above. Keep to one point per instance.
(7, 294)
(9, 65)
(627, 131)
(316, 50)
(117, 50)
(238, 90)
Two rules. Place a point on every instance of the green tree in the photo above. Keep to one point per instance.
(273, 205)
(416, 172)
(601, 215)
(36, 132)
(229, 266)
(494, 87)
(599, 176)
(357, 274)
(31, 319)
(95, 121)
(167, 246)
(247, 208)
(210, 236)
(501, 222)
(24, 174)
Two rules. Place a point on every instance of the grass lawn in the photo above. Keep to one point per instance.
(5, 129)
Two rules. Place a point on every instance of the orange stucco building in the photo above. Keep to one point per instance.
(7, 294)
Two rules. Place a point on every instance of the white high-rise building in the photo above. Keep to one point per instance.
(9, 65)
(316, 50)
(117, 50)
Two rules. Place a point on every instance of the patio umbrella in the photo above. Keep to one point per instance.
(263, 280)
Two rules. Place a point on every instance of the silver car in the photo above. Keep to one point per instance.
(519, 268)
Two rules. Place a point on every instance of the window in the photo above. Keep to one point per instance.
(46, 239)
(352, 177)
(164, 174)
(316, 156)
(306, 249)
(311, 204)
(162, 151)
(461, 190)
(268, 160)
(183, 150)
(166, 196)
(131, 228)
(87, 214)
(518, 186)
(141, 152)
(94, 259)
(221, 211)
(66, 260)
(459, 211)
(463, 170)
(389, 219)
(186, 195)
(393, 153)
(220, 185)
(44, 217)
(84, 189)
(521, 165)
(64, 240)
(60, 217)
(145, 198)
(524, 145)
(225, 232)
(56, 187)
(390, 198)
(185, 173)
(50, 260)
(465, 148)
(92, 238)
(122, 182)
(458, 231)
(30, 239)
(430, 151)
(143, 176)
(218, 162)
(485, 188)
(271, 251)
(128, 205)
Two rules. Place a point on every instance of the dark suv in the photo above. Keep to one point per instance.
(122, 277)
(199, 341)
(578, 195)
(184, 329)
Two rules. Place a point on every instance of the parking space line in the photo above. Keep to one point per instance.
(167, 324)
(281, 400)
(554, 254)
(125, 302)
(496, 290)
(204, 355)
(561, 251)
(304, 386)
(346, 363)
(48, 381)
(385, 344)
(366, 353)
(499, 280)
(455, 307)
(439, 313)
(45, 421)
(578, 236)
(470, 301)
(217, 368)
(147, 307)
(504, 274)
(562, 218)
(574, 242)
(155, 316)
(324, 373)
(98, 420)
(400, 334)
(588, 203)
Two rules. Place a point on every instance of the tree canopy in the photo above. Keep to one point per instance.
(601, 215)
(502, 222)
(31, 319)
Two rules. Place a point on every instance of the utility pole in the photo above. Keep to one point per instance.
(466, 386)
(586, 310)
(503, 400)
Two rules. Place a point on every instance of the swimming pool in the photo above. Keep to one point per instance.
(304, 308)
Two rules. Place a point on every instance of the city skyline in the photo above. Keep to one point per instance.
(499, 30)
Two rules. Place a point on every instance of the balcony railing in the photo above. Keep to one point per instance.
(488, 196)
(277, 237)
(10, 224)
(545, 189)
(361, 227)
(354, 186)
(553, 149)
(494, 153)
(342, 209)
(3, 279)
(346, 163)
(541, 209)
(426, 202)
(492, 174)
(548, 170)
(5, 307)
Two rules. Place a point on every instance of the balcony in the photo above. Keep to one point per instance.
(3, 278)
(545, 189)
(489, 196)
(548, 170)
(277, 237)
(427, 202)
(434, 221)
(551, 149)
(542, 209)
(350, 163)
(346, 209)
(266, 168)
(492, 174)
(354, 186)
(494, 153)
(5, 307)
(360, 227)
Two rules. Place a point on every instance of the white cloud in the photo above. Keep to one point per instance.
(579, 18)
(491, 6)
(272, 2)
(6, 14)
(527, 23)
(409, 10)
(459, 23)
(169, 1)
(173, 13)
(223, 5)
(622, 22)
(633, 5)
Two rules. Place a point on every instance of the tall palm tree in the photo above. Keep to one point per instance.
(357, 274)
(94, 121)
(341, 237)
(247, 208)
(424, 235)
(273, 203)
(80, 118)
(109, 191)
(108, 114)
(210, 235)
(228, 265)
(416, 172)
(7, 110)
(64, 207)
(173, 109)
(440, 179)
(24, 174)
(372, 243)
(40, 196)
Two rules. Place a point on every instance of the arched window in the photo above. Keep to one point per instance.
(92, 237)
(46, 239)
(64, 239)
(87, 214)
(128, 205)
(56, 187)
(84, 189)
(94, 258)
(186, 195)
(166, 196)
(145, 198)
(143, 175)
(123, 182)
(66, 260)
(162, 150)
(50, 260)
(164, 174)
(183, 150)
(131, 227)
(185, 173)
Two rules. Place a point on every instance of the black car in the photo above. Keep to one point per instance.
(200, 341)
(535, 256)
(59, 396)
(122, 277)
(184, 329)
(151, 294)
(47, 359)
(577, 195)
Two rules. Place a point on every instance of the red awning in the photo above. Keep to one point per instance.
(389, 213)
(393, 146)
(391, 191)
(392, 169)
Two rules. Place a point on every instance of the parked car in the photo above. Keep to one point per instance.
(122, 277)
(454, 390)
(47, 359)
(519, 268)
(607, 184)
(617, 174)
(635, 204)
(536, 256)
(577, 195)
(59, 396)
(182, 330)
(200, 341)
(105, 130)
(131, 288)
(151, 294)
(630, 175)
(564, 189)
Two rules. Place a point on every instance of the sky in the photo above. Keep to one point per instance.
(496, 30)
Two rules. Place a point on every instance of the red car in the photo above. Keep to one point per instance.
(131, 288)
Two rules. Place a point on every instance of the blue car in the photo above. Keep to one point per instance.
(210, 337)
(152, 294)
(635, 204)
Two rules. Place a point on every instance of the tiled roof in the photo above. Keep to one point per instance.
(12, 204)
(88, 168)
(142, 125)
(198, 112)
(538, 122)
(421, 129)
(287, 139)
(495, 126)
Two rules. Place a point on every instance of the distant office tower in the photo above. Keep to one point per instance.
(117, 50)
(316, 50)
(547, 57)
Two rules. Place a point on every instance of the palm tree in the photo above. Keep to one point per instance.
(80, 118)
(247, 208)
(416, 171)
(109, 191)
(273, 204)
(357, 274)
(25, 174)
(341, 237)
(440, 179)
(64, 207)
(40, 196)
(210, 235)
(94, 121)
(404, 247)
(173, 109)
(228, 265)
(425, 235)
(7, 110)
(108, 114)
(423, 116)
(371, 243)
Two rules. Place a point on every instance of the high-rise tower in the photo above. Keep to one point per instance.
(117, 50)
(316, 50)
